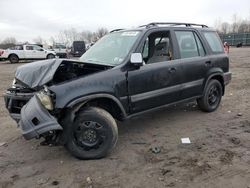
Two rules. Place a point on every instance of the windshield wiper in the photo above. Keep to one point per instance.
(97, 62)
(94, 60)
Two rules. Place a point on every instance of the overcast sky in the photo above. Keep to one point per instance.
(28, 19)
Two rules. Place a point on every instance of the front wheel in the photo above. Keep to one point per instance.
(212, 96)
(14, 58)
(92, 135)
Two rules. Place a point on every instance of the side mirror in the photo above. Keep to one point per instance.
(136, 59)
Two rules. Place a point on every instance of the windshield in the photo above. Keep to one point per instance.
(60, 46)
(111, 49)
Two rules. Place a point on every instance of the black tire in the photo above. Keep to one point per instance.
(50, 56)
(92, 135)
(13, 58)
(212, 96)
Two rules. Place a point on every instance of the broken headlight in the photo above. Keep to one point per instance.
(45, 98)
(14, 83)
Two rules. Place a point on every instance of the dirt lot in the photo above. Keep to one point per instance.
(219, 155)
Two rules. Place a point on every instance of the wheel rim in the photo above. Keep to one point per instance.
(13, 59)
(213, 95)
(89, 135)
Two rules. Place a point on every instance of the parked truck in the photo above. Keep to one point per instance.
(60, 50)
(78, 48)
(26, 52)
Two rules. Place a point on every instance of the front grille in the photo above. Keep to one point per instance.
(15, 101)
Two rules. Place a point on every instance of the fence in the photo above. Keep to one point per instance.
(234, 39)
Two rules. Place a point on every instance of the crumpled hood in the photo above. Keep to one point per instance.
(37, 73)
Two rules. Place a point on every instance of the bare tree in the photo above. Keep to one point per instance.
(235, 24)
(244, 26)
(101, 32)
(217, 25)
(238, 25)
(68, 36)
(39, 40)
(86, 36)
(89, 36)
(52, 40)
(9, 40)
(225, 27)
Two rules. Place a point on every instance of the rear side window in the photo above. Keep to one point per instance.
(16, 48)
(187, 44)
(214, 42)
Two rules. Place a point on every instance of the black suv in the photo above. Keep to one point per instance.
(127, 72)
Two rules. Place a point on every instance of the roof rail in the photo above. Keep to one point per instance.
(153, 24)
(115, 30)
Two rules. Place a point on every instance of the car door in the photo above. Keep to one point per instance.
(155, 83)
(29, 52)
(194, 61)
(39, 53)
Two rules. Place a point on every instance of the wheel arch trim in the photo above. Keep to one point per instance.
(79, 102)
(220, 74)
(13, 54)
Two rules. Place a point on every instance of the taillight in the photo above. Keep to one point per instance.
(1, 52)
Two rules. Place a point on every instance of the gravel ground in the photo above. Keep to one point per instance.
(149, 152)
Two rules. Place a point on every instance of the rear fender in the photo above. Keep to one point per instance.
(216, 73)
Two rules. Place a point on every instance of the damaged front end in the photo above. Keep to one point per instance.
(32, 112)
(36, 119)
(30, 102)
(16, 97)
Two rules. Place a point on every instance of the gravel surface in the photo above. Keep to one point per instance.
(149, 152)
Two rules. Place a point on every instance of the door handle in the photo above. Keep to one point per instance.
(172, 70)
(208, 63)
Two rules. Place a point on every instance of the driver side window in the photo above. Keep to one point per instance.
(29, 48)
(38, 48)
(157, 48)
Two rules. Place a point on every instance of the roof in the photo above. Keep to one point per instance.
(167, 25)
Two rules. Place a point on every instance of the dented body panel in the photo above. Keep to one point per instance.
(111, 82)
(36, 120)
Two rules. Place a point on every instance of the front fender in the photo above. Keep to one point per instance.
(82, 100)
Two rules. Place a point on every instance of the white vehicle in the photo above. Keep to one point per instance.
(26, 52)
(61, 50)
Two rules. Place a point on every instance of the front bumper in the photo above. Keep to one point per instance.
(61, 55)
(227, 77)
(14, 103)
(36, 120)
(2, 58)
(77, 53)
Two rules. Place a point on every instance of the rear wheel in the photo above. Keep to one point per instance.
(92, 135)
(212, 97)
(50, 56)
(13, 58)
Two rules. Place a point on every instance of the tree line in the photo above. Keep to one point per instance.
(65, 37)
(238, 25)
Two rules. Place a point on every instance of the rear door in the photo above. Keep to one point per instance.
(195, 63)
